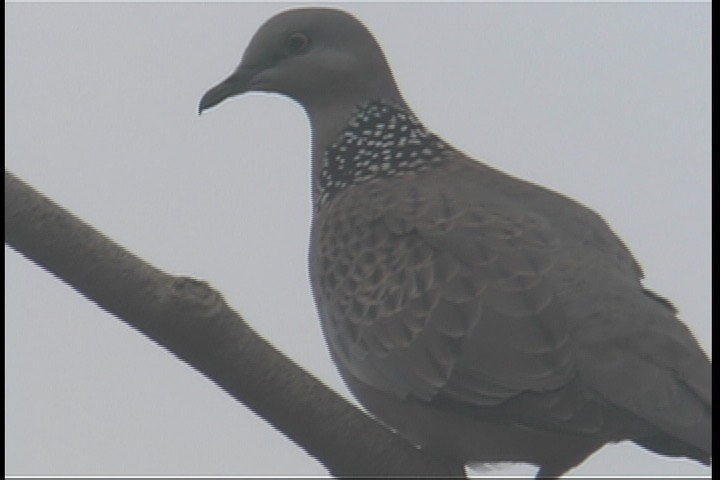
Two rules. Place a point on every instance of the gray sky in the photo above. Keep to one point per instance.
(608, 103)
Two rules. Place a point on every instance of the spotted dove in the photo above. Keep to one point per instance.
(483, 317)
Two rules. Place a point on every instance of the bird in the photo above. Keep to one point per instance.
(482, 317)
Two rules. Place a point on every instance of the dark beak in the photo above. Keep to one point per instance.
(236, 84)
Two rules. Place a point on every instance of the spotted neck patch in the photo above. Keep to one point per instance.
(381, 140)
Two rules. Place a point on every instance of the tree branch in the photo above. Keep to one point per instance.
(193, 322)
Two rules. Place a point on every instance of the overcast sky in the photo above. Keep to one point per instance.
(608, 103)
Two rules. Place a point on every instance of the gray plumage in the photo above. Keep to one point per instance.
(485, 318)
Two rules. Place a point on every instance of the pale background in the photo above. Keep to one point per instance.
(609, 103)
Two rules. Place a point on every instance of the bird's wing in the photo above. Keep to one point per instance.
(424, 289)
(467, 296)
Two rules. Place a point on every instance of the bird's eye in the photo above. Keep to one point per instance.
(296, 43)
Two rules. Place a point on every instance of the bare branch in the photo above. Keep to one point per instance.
(192, 321)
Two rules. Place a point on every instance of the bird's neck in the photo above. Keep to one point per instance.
(375, 139)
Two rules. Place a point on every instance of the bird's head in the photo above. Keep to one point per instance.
(320, 57)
